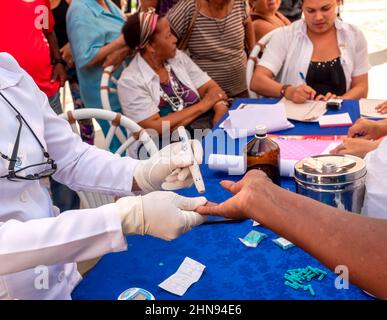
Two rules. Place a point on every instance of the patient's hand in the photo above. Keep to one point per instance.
(356, 147)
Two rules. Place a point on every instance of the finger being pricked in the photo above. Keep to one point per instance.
(210, 209)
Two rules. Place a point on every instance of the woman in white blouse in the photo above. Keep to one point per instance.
(318, 57)
(162, 84)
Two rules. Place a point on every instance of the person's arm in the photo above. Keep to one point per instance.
(114, 46)
(368, 129)
(210, 93)
(333, 236)
(59, 71)
(78, 235)
(67, 55)
(220, 107)
(261, 27)
(179, 118)
(116, 58)
(264, 84)
(356, 147)
(249, 34)
(359, 88)
(85, 168)
(88, 42)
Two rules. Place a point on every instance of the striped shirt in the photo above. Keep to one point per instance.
(217, 46)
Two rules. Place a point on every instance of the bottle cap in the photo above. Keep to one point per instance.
(261, 130)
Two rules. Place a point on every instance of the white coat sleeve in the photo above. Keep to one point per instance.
(80, 166)
(375, 200)
(73, 236)
(275, 53)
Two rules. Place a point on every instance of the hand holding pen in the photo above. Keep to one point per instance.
(326, 97)
(301, 93)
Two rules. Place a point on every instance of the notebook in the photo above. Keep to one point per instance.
(367, 108)
(335, 120)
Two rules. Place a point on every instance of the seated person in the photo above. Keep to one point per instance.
(93, 29)
(364, 136)
(162, 84)
(218, 35)
(319, 57)
(333, 236)
(266, 17)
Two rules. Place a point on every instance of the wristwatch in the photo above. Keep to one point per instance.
(57, 61)
(283, 90)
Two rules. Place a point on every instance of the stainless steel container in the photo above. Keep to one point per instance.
(336, 180)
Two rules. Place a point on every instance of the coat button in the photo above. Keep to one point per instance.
(23, 196)
(61, 276)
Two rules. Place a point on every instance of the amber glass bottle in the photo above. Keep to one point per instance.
(262, 153)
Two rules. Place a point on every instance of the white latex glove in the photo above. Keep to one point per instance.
(162, 214)
(168, 169)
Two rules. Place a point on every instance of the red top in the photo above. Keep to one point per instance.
(21, 25)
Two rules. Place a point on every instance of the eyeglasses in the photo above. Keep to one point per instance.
(14, 174)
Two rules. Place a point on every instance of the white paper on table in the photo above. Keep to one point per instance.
(309, 111)
(367, 108)
(188, 273)
(242, 122)
(335, 120)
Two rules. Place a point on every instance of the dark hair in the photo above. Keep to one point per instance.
(131, 31)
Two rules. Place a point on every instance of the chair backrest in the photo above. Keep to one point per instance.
(254, 57)
(135, 134)
(108, 86)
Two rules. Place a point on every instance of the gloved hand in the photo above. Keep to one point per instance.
(162, 214)
(168, 169)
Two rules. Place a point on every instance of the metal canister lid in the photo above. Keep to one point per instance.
(330, 169)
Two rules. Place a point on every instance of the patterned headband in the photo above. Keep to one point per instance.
(148, 21)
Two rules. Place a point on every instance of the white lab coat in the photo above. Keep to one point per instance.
(375, 200)
(31, 233)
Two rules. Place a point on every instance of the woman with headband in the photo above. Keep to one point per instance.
(162, 84)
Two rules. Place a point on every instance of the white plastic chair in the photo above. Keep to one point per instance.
(134, 132)
(108, 86)
(254, 57)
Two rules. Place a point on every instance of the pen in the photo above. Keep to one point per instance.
(194, 168)
(302, 77)
(304, 80)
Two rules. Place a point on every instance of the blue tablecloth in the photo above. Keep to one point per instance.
(233, 271)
